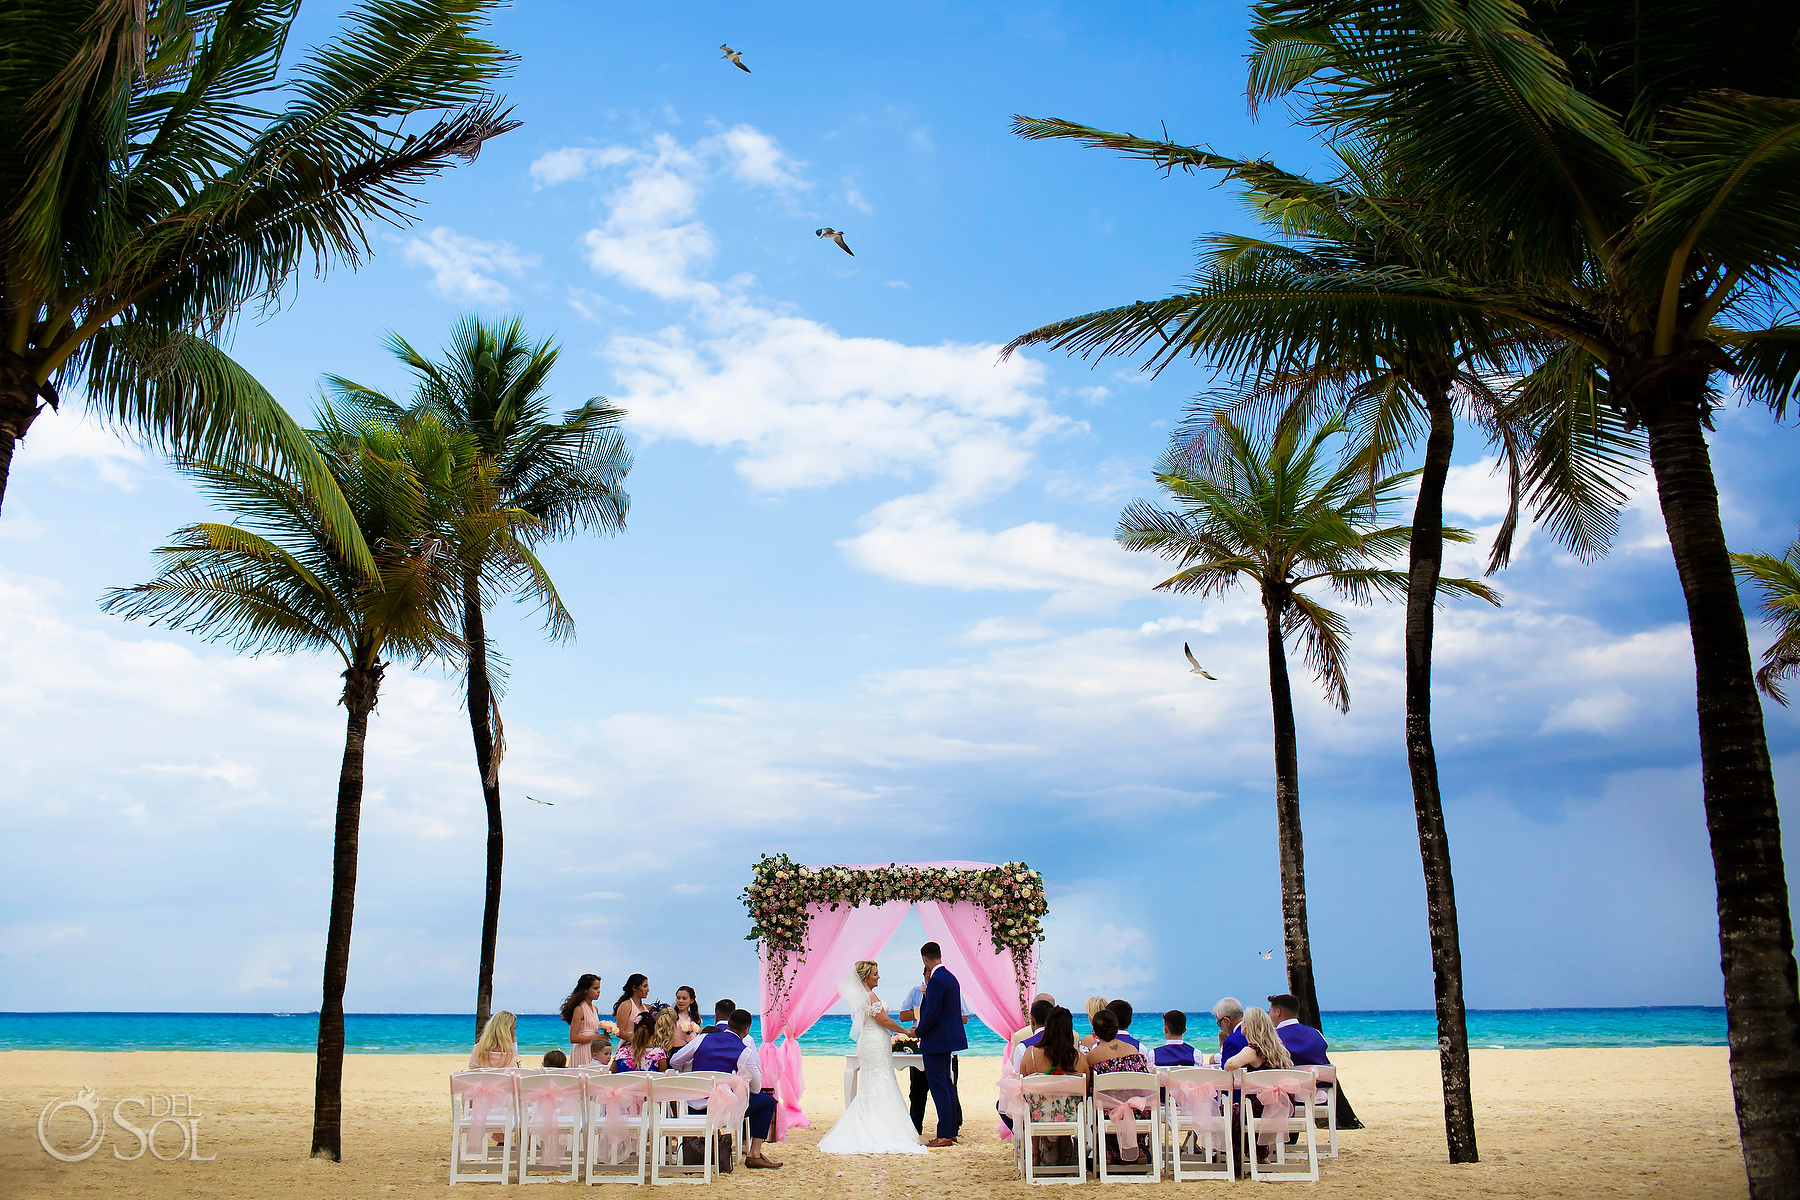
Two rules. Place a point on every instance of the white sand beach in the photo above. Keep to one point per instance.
(1553, 1123)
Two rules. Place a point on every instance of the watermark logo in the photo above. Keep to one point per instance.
(89, 1123)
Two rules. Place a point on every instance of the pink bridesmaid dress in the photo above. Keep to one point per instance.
(587, 1021)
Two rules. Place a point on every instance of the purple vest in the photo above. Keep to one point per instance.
(719, 1051)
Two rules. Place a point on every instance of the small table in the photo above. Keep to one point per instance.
(853, 1071)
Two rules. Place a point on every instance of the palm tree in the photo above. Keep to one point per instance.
(277, 583)
(1639, 179)
(1275, 511)
(1291, 319)
(568, 475)
(158, 173)
(1779, 581)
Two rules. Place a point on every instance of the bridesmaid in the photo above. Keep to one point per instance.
(498, 1045)
(630, 1004)
(583, 1018)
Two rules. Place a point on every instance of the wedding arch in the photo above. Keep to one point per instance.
(811, 923)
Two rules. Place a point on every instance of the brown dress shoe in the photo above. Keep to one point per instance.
(759, 1163)
(941, 1142)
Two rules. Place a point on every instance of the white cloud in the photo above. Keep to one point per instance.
(756, 158)
(1476, 491)
(463, 268)
(574, 162)
(853, 196)
(900, 284)
(1006, 629)
(72, 436)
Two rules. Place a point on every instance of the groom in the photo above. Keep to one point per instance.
(940, 1034)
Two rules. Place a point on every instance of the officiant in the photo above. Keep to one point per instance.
(918, 1090)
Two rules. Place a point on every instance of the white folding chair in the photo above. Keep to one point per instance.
(1198, 1102)
(1119, 1098)
(667, 1131)
(482, 1102)
(618, 1126)
(1275, 1090)
(1025, 1130)
(551, 1125)
(1323, 1109)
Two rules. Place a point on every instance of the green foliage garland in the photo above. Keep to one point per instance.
(780, 890)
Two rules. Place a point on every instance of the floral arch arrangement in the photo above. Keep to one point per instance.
(781, 891)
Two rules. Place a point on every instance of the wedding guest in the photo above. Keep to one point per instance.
(1112, 1054)
(1229, 1014)
(1305, 1045)
(1054, 1054)
(688, 1025)
(555, 1058)
(583, 1018)
(1262, 1048)
(630, 1004)
(1175, 1050)
(728, 1048)
(641, 1052)
(602, 1046)
(498, 1045)
(1016, 1048)
(1122, 1010)
(1094, 1005)
(1015, 1039)
(721, 1016)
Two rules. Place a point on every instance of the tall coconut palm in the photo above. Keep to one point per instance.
(158, 172)
(278, 583)
(1778, 579)
(1280, 511)
(567, 474)
(1639, 176)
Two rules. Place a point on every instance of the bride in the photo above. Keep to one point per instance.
(877, 1121)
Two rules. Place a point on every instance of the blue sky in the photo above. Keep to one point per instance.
(868, 607)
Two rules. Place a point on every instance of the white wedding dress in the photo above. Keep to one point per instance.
(877, 1121)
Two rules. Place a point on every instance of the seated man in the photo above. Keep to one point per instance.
(1175, 1050)
(1305, 1045)
(730, 1050)
(722, 1015)
(1229, 1015)
(1122, 1010)
(1040, 1012)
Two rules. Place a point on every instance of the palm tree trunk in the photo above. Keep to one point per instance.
(18, 408)
(362, 686)
(1426, 565)
(1756, 936)
(481, 702)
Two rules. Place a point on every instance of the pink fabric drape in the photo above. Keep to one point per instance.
(623, 1097)
(1277, 1097)
(1200, 1102)
(990, 985)
(834, 940)
(548, 1102)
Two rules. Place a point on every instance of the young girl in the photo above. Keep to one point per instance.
(687, 1016)
(498, 1045)
(642, 1053)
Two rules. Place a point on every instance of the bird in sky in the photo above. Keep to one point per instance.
(836, 235)
(1200, 671)
(1269, 953)
(736, 58)
(545, 803)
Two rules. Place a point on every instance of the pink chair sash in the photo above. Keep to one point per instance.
(624, 1099)
(546, 1121)
(1277, 1097)
(1199, 1101)
(483, 1095)
(727, 1103)
(1121, 1109)
(1012, 1099)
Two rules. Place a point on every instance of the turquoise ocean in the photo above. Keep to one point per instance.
(443, 1033)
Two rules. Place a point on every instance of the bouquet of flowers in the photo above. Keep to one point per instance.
(611, 1027)
(906, 1043)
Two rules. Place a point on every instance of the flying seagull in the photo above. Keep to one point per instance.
(736, 57)
(1200, 671)
(1270, 953)
(545, 803)
(836, 235)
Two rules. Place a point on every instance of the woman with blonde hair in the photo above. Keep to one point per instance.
(498, 1045)
(1265, 1051)
(1094, 1005)
(876, 1120)
(641, 1052)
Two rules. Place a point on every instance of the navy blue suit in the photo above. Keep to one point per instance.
(1305, 1045)
(940, 1034)
(1234, 1042)
(1175, 1054)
